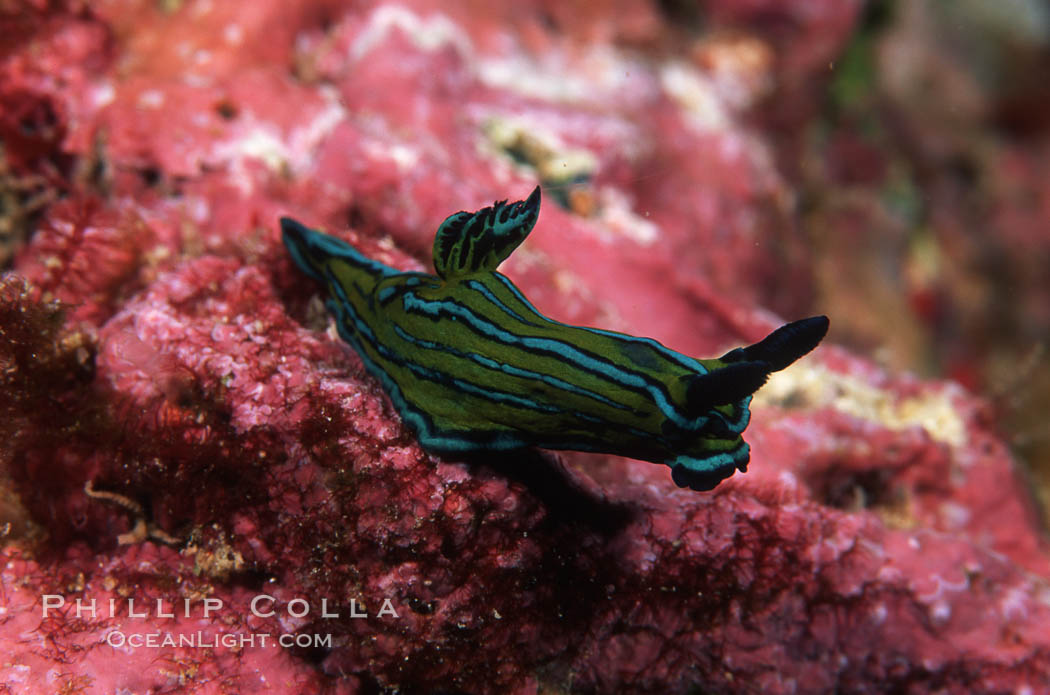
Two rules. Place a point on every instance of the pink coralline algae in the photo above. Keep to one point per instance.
(183, 429)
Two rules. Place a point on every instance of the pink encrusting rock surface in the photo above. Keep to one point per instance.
(232, 446)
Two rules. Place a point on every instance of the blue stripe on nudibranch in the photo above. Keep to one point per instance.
(487, 294)
(471, 364)
(510, 369)
(583, 360)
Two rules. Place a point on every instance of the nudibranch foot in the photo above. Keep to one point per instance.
(471, 365)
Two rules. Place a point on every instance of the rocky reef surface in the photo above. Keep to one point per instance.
(184, 434)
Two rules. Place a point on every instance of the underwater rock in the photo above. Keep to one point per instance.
(191, 427)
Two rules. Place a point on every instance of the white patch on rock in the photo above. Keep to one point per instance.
(815, 386)
(696, 94)
(430, 33)
(263, 141)
(620, 218)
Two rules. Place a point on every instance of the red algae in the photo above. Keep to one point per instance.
(184, 432)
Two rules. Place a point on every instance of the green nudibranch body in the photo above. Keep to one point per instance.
(471, 365)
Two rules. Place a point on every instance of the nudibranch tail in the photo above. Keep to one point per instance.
(315, 253)
(471, 365)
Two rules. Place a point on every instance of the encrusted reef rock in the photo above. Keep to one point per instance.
(191, 453)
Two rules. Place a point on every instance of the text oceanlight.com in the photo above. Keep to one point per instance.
(204, 640)
(260, 606)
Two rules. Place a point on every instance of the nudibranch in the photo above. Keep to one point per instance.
(471, 365)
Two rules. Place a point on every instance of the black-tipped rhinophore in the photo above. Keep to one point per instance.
(784, 345)
(749, 367)
(724, 386)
